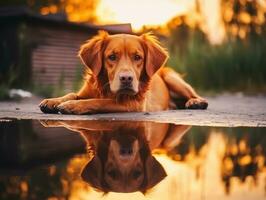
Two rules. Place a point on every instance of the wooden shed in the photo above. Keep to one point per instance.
(42, 50)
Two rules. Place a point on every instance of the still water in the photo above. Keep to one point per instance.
(130, 160)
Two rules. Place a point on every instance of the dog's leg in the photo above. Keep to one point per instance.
(183, 90)
(89, 134)
(90, 106)
(87, 91)
(174, 136)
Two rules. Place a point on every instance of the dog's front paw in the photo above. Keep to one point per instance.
(196, 103)
(49, 105)
(71, 107)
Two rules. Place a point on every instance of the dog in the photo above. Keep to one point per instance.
(122, 152)
(125, 73)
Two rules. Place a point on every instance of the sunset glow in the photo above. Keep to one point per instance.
(152, 13)
(141, 12)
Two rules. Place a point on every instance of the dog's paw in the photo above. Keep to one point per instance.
(71, 107)
(49, 105)
(196, 103)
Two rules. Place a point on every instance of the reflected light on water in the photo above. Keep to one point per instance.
(197, 177)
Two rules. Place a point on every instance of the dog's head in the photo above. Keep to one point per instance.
(123, 163)
(123, 62)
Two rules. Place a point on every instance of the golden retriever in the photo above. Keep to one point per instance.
(125, 73)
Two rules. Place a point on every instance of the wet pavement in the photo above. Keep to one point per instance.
(223, 110)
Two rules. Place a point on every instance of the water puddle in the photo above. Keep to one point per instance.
(133, 160)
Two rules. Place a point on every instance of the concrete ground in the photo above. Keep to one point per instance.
(224, 110)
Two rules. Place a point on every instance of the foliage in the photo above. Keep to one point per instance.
(243, 17)
(78, 81)
(15, 60)
(50, 90)
(235, 65)
(11, 76)
(60, 89)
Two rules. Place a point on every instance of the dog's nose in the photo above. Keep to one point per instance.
(126, 151)
(126, 78)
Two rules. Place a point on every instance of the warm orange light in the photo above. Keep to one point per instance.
(245, 17)
(141, 12)
(45, 10)
(153, 13)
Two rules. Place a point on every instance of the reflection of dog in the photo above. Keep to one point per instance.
(123, 163)
(125, 74)
(122, 159)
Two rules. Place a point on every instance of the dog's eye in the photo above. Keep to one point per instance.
(112, 57)
(137, 57)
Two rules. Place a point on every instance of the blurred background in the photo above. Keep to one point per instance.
(217, 45)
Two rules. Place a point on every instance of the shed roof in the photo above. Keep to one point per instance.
(24, 13)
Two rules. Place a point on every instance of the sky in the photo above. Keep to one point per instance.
(141, 12)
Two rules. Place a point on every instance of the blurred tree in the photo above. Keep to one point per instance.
(76, 10)
(186, 30)
(179, 32)
(83, 11)
(244, 17)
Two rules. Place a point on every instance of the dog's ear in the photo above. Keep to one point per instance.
(92, 51)
(154, 172)
(92, 173)
(156, 56)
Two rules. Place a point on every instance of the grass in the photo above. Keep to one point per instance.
(60, 89)
(236, 65)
